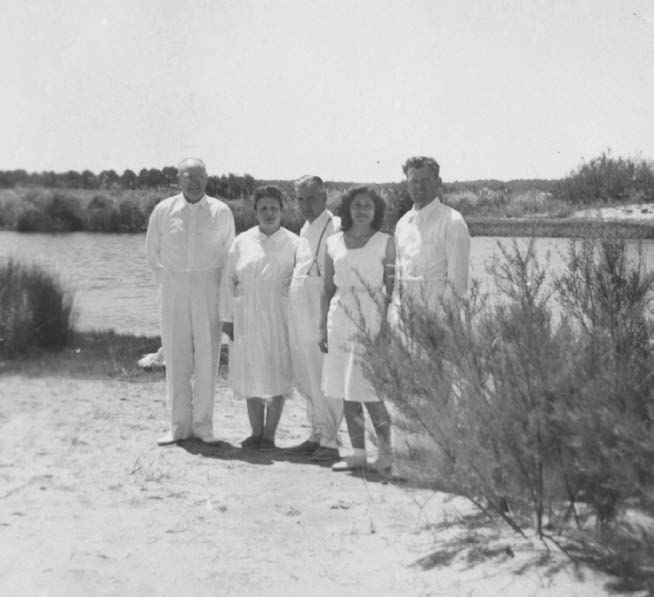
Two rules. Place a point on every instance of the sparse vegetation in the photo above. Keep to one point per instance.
(541, 415)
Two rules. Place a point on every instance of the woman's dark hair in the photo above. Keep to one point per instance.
(268, 191)
(346, 203)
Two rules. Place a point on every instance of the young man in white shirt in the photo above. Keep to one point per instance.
(324, 414)
(187, 242)
(432, 245)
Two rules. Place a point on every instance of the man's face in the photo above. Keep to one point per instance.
(192, 179)
(423, 185)
(312, 201)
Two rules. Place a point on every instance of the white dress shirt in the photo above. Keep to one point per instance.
(433, 249)
(189, 237)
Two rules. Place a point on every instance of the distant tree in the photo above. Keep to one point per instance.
(49, 179)
(156, 178)
(72, 180)
(142, 179)
(249, 184)
(170, 174)
(89, 180)
(108, 178)
(128, 179)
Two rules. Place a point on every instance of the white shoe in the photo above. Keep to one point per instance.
(210, 440)
(350, 463)
(167, 440)
(383, 464)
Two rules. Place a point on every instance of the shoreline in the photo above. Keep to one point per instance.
(546, 227)
(539, 226)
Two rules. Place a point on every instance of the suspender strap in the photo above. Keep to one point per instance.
(315, 257)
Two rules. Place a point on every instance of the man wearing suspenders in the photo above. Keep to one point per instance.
(324, 414)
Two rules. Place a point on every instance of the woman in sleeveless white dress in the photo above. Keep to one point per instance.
(357, 282)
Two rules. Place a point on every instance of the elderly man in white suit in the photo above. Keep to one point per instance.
(187, 242)
(324, 414)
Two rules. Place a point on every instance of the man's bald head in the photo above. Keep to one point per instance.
(191, 163)
(192, 178)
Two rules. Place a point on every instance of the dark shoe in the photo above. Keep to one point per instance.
(324, 454)
(306, 448)
(266, 445)
(251, 442)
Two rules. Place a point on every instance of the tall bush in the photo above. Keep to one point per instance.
(607, 178)
(536, 400)
(35, 309)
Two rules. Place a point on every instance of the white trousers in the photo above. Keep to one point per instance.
(324, 414)
(190, 335)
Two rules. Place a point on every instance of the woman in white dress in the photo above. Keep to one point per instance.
(358, 284)
(254, 309)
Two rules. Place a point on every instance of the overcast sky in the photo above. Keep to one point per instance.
(342, 88)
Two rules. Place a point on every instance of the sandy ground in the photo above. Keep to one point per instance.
(635, 212)
(89, 505)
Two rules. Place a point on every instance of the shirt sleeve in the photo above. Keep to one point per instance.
(153, 246)
(458, 259)
(228, 286)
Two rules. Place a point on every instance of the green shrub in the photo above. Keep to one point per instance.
(35, 310)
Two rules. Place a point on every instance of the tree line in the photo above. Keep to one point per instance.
(229, 186)
(605, 178)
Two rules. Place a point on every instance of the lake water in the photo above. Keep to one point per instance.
(114, 289)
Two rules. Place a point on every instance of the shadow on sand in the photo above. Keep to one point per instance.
(227, 451)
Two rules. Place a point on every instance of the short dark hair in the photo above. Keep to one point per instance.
(346, 203)
(420, 161)
(268, 191)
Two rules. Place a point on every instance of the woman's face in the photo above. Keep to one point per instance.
(362, 210)
(269, 214)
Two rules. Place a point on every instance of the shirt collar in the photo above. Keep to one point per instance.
(427, 210)
(264, 237)
(181, 203)
(319, 222)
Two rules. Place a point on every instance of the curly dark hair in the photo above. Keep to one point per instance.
(419, 161)
(346, 203)
(268, 191)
